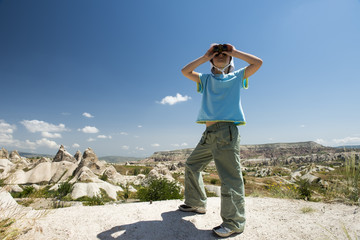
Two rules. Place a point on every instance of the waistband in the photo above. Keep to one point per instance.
(219, 125)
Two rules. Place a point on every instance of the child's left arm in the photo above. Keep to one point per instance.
(255, 62)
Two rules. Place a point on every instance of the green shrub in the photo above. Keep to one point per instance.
(64, 189)
(304, 189)
(104, 177)
(27, 191)
(159, 189)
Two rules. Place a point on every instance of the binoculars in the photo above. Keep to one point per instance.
(220, 48)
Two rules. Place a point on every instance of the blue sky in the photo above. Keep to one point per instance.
(106, 74)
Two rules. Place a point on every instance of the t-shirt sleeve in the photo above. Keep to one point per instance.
(202, 83)
(244, 81)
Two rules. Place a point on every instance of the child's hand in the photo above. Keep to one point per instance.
(210, 54)
(230, 49)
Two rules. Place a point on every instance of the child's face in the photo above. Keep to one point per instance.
(221, 60)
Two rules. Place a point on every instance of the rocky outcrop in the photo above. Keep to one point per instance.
(4, 154)
(170, 156)
(78, 156)
(91, 161)
(14, 156)
(93, 189)
(45, 172)
(63, 155)
(85, 175)
(5, 167)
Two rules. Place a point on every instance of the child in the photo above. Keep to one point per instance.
(221, 111)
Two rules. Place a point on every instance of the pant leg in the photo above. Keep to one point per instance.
(195, 195)
(227, 160)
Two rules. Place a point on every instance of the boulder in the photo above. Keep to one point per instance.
(63, 155)
(13, 188)
(310, 178)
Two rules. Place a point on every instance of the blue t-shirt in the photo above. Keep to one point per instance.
(221, 97)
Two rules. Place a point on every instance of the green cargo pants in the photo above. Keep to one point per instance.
(220, 142)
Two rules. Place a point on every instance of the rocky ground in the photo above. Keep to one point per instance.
(267, 218)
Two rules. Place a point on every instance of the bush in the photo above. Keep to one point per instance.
(104, 177)
(27, 191)
(159, 189)
(304, 189)
(64, 189)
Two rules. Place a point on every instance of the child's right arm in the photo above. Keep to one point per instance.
(188, 70)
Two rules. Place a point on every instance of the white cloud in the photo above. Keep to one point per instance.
(155, 145)
(91, 140)
(28, 144)
(47, 143)
(140, 148)
(320, 141)
(75, 145)
(104, 137)
(139, 126)
(179, 145)
(171, 100)
(41, 126)
(125, 147)
(51, 135)
(124, 133)
(6, 139)
(6, 127)
(302, 126)
(89, 129)
(88, 115)
(347, 140)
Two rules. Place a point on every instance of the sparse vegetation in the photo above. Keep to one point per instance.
(307, 210)
(99, 199)
(159, 189)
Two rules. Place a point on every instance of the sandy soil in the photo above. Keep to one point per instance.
(267, 218)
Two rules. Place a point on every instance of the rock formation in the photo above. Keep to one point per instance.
(63, 155)
(4, 154)
(91, 161)
(14, 156)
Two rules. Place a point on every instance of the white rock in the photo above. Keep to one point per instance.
(93, 189)
(44, 172)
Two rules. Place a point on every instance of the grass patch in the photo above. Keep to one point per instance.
(307, 210)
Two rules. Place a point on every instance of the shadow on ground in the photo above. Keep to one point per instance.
(173, 226)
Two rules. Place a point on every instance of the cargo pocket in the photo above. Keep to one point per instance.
(228, 138)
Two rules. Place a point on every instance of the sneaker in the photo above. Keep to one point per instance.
(222, 231)
(186, 208)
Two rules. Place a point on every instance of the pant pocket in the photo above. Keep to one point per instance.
(228, 138)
